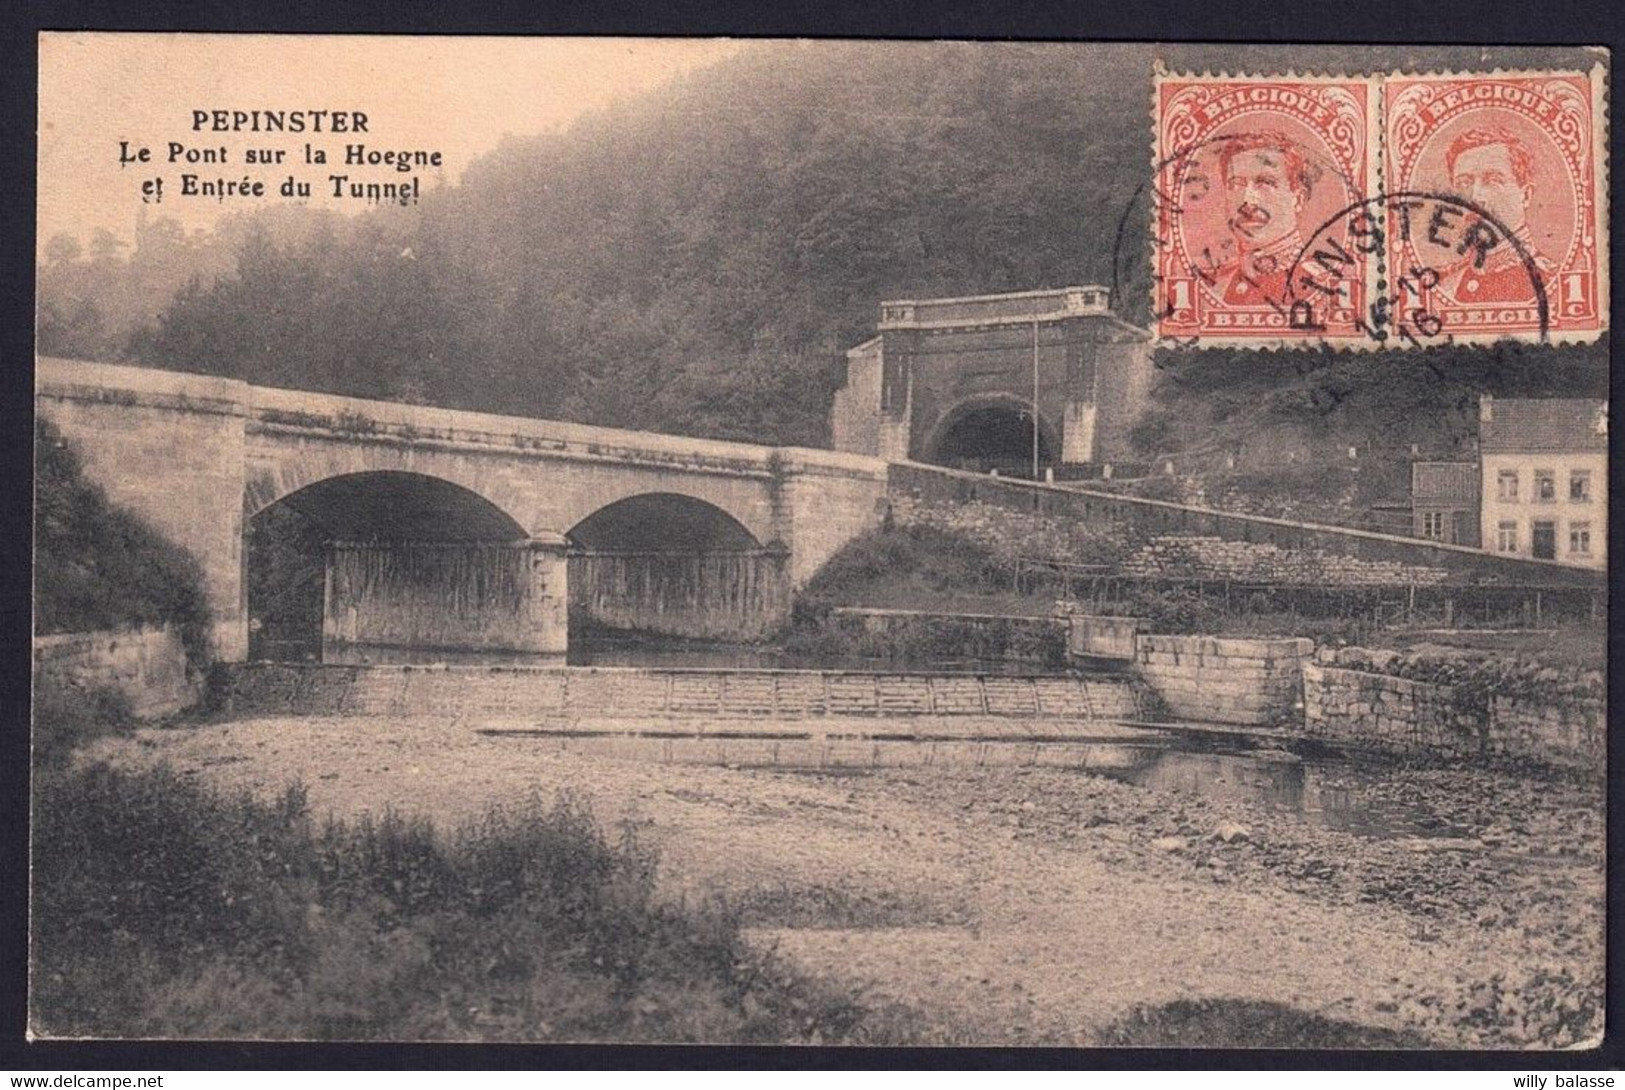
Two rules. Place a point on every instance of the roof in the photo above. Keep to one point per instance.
(1015, 306)
(1089, 302)
(1542, 425)
(1444, 480)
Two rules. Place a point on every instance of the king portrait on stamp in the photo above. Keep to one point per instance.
(1247, 171)
(1526, 259)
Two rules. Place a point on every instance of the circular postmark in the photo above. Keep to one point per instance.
(1229, 212)
(1427, 247)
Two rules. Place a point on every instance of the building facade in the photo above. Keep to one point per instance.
(1445, 502)
(956, 381)
(1543, 470)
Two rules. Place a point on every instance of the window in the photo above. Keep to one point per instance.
(1580, 538)
(1506, 537)
(1433, 525)
(1506, 485)
(1545, 486)
(1580, 486)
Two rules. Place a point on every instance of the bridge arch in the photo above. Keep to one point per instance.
(990, 431)
(387, 565)
(671, 564)
(546, 498)
(392, 504)
(661, 522)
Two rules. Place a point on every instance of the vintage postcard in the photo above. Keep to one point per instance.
(820, 543)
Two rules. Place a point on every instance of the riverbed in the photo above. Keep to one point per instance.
(1012, 904)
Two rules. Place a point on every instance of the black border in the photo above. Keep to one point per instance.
(1386, 22)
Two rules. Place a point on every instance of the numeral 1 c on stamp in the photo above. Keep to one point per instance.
(1380, 211)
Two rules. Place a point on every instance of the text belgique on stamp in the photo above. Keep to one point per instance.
(1380, 211)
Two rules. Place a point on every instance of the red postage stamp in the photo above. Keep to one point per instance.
(1381, 210)
(1253, 181)
(1496, 210)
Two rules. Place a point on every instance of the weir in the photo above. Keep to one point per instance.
(453, 595)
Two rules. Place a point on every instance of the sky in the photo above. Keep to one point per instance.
(459, 96)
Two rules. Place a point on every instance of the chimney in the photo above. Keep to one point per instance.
(1486, 408)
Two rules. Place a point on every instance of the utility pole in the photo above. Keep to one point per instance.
(1035, 396)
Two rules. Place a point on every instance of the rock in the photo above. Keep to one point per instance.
(1169, 843)
(1231, 832)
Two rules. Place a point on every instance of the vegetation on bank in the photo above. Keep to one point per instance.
(1248, 1023)
(98, 566)
(928, 568)
(933, 568)
(165, 909)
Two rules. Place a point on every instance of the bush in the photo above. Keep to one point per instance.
(893, 556)
(99, 567)
(66, 716)
(164, 909)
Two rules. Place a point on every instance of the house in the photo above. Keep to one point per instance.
(1445, 502)
(1543, 472)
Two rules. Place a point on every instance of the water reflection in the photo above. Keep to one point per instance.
(1322, 792)
(677, 654)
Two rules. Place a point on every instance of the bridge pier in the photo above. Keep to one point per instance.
(385, 599)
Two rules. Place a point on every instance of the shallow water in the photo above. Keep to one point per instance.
(1321, 791)
(658, 655)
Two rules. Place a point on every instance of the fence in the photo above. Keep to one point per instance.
(1102, 590)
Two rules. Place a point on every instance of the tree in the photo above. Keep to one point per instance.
(63, 249)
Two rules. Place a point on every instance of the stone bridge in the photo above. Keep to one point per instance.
(459, 530)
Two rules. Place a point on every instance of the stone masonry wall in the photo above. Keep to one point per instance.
(1255, 682)
(1146, 517)
(147, 665)
(1200, 557)
(747, 697)
(1356, 707)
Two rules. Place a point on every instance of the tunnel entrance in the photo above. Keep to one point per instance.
(393, 566)
(997, 436)
(670, 566)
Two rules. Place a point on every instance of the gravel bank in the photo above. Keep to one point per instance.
(1013, 905)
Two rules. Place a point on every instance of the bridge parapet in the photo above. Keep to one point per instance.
(199, 456)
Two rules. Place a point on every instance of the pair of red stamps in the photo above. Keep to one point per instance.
(1383, 211)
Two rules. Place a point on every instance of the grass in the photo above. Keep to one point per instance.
(898, 563)
(164, 909)
(1576, 644)
(1248, 1023)
(66, 716)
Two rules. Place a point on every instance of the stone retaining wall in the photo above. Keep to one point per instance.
(147, 665)
(923, 636)
(574, 692)
(1254, 682)
(1354, 707)
(1101, 637)
(1200, 557)
(935, 485)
